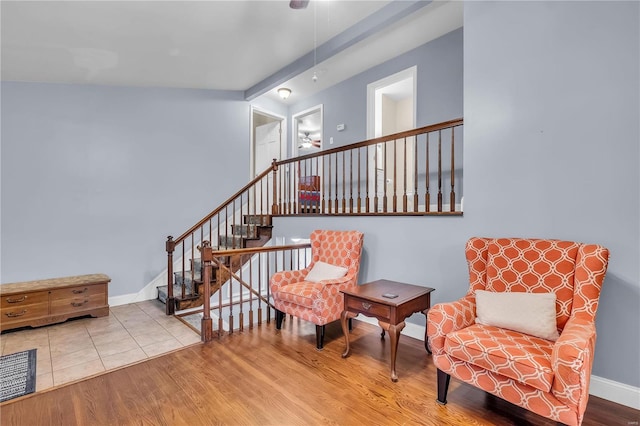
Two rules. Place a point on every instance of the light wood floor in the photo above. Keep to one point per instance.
(268, 377)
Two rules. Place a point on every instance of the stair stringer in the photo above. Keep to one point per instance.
(149, 291)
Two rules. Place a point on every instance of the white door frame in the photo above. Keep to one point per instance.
(387, 81)
(294, 127)
(374, 119)
(283, 136)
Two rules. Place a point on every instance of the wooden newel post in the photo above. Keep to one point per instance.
(206, 326)
(274, 168)
(170, 307)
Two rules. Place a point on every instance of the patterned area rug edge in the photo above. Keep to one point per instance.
(17, 374)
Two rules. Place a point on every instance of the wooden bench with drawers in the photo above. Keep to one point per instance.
(42, 302)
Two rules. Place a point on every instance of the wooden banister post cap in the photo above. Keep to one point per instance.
(206, 252)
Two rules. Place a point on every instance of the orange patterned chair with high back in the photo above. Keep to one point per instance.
(525, 331)
(313, 294)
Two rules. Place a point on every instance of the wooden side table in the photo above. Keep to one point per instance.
(368, 299)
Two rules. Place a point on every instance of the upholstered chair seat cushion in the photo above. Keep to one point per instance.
(302, 293)
(516, 355)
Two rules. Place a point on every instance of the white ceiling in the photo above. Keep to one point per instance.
(224, 45)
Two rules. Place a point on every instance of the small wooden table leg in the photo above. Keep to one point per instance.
(394, 334)
(426, 336)
(345, 318)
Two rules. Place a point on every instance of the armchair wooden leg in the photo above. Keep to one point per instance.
(443, 387)
(319, 336)
(279, 318)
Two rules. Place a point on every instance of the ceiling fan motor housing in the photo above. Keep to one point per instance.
(298, 4)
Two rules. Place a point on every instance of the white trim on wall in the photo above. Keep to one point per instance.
(615, 391)
(294, 127)
(409, 73)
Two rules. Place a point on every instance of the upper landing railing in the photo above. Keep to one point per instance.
(414, 172)
(417, 172)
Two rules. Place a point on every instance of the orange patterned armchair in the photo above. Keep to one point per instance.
(313, 293)
(470, 340)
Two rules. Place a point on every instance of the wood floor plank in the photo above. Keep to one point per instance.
(264, 376)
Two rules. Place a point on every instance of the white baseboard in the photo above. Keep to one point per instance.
(617, 392)
(411, 330)
(149, 292)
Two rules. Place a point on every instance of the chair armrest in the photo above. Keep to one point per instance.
(444, 318)
(283, 278)
(571, 360)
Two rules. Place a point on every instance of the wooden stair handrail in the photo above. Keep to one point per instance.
(254, 250)
(426, 129)
(222, 206)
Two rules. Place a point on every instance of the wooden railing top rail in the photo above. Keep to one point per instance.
(409, 133)
(262, 249)
(221, 207)
(406, 134)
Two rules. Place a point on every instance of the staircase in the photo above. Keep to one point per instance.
(255, 231)
(421, 175)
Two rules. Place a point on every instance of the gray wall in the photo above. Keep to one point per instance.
(439, 91)
(551, 107)
(94, 178)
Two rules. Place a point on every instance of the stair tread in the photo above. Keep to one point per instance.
(188, 271)
(177, 293)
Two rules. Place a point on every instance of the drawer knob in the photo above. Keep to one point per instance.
(22, 299)
(79, 291)
(16, 314)
(366, 306)
(76, 304)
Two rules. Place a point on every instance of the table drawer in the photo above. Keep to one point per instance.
(78, 298)
(367, 307)
(24, 312)
(22, 299)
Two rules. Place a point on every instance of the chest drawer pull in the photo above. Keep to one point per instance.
(76, 304)
(16, 314)
(22, 299)
(79, 291)
(366, 306)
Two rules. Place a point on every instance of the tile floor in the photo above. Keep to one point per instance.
(88, 346)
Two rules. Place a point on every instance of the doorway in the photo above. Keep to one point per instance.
(306, 139)
(307, 131)
(268, 140)
(391, 108)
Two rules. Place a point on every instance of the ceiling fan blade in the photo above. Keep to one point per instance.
(298, 4)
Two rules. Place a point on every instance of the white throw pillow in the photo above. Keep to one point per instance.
(530, 313)
(324, 271)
